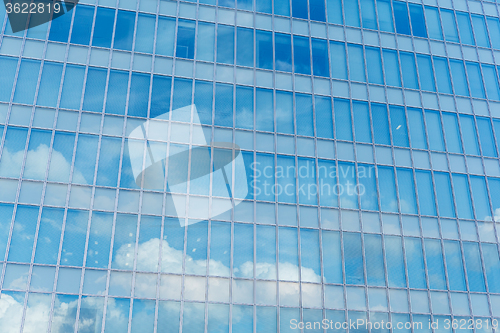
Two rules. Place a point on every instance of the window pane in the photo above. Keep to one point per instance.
(385, 15)
(283, 47)
(264, 50)
(185, 39)
(401, 17)
(320, 57)
(338, 60)
(302, 60)
(225, 44)
(417, 20)
(433, 23)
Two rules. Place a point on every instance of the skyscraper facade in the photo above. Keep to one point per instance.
(251, 166)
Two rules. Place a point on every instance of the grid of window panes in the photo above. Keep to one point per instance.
(399, 99)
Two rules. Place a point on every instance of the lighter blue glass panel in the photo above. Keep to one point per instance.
(492, 266)
(285, 173)
(243, 250)
(165, 37)
(406, 187)
(494, 185)
(351, 13)
(434, 130)
(465, 28)
(486, 137)
(307, 183)
(435, 265)
(433, 23)
(494, 29)
(415, 262)
(469, 135)
(374, 65)
(338, 60)
(99, 240)
(473, 266)
(94, 89)
(73, 87)
(332, 263)
(265, 251)
(367, 187)
(398, 126)
(385, 15)
(451, 131)
(462, 196)
(442, 75)
(15, 142)
(124, 30)
(444, 196)
(124, 241)
(264, 169)
(284, 112)
(324, 118)
(304, 114)
(425, 193)
(391, 68)
(225, 44)
(266, 319)
(394, 259)
(368, 14)
(387, 186)
(117, 315)
(223, 105)
(38, 155)
(5, 222)
(454, 265)
(75, 232)
(160, 101)
(264, 117)
(380, 124)
(459, 79)
(85, 159)
(334, 11)
(144, 40)
(353, 258)
(244, 107)
(220, 244)
(347, 181)
(182, 95)
(203, 97)
(218, 318)
(362, 128)
(356, 63)
(108, 162)
(193, 317)
(205, 42)
(401, 17)
(491, 82)
(327, 183)
(310, 256)
(288, 254)
(283, 52)
(139, 95)
(480, 196)
(117, 92)
(409, 70)
(475, 80)
(374, 260)
(425, 73)
(417, 129)
(242, 320)
(343, 127)
(27, 79)
(480, 30)
(449, 26)
(9, 66)
(244, 50)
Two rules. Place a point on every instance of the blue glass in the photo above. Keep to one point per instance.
(304, 114)
(242, 320)
(218, 318)
(309, 254)
(362, 128)
(15, 142)
(95, 89)
(144, 41)
(462, 196)
(124, 241)
(494, 185)
(327, 183)
(299, 9)
(264, 49)
(265, 249)
(324, 118)
(117, 92)
(302, 60)
(480, 30)
(264, 117)
(387, 186)
(307, 183)
(244, 107)
(451, 131)
(353, 258)
(223, 105)
(99, 240)
(465, 28)
(433, 23)
(347, 182)
(124, 30)
(492, 266)
(494, 29)
(182, 93)
(338, 60)
(398, 126)
(288, 254)
(85, 157)
(368, 14)
(444, 196)
(343, 125)
(317, 10)
(351, 12)
(59, 28)
(334, 11)
(284, 112)
(374, 260)
(485, 131)
(243, 249)
(203, 97)
(374, 65)
(417, 128)
(245, 4)
(73, 87)
(320, 57)
(449, 25)
(160, 95)
(459, 79)
(385, 15)
(27, 79)
(480, 196)
(442, 75)
(332, 263)
(143, 315)
(409, 70)
(415, 263)
(103, 27)
(5, 222)
(469, 135)
(244, 50)
(225, 44)
(380, 124)
(226, 3)
(283, 49)
(264, 169)
(185, 39)
(82, 25)
(475, 80)
(75, 232)
(356, 63)
(139, 95)
(454, 265)
(391, 68)
(417, 20)
(109, 157)
(491, 82)
(37, 157)
(165, 37)
(434, 130)
(7, 74)
(266, 319)
(401, 17)
(197, 240)
(425, 73)
(394, 259)
(193, 317)
(406, 188)
(174, 236)
(425, 193)
(206, 41)
(264, 6)
(23, 234)
(48, 92)
(368, 191)
(473, 267)
(435, 265)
